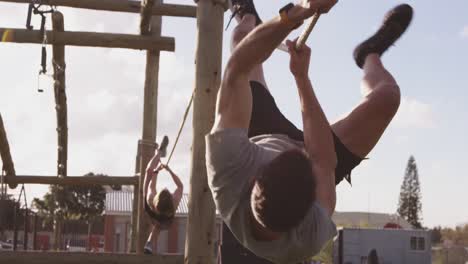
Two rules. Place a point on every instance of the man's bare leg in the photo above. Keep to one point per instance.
(361, 129)
(244, 27)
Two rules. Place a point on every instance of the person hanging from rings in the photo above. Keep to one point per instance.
(161, 205)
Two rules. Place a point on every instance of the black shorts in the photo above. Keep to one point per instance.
(268, 119)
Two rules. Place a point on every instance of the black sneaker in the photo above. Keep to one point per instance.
(147, 251)
(163, 146)
(241, 7)
(395, 23)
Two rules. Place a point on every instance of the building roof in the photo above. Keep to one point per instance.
(121, 203)
(371, 220)
(118, 203)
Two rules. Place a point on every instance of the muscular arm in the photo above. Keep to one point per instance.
(234, 104)
(318, 137)
(319, 144)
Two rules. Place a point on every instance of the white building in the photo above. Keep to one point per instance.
(394, 246)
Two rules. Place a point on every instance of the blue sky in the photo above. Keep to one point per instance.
(105, 89)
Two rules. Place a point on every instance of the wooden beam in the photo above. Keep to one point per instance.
(89, 39)
(88, 258)
(58, 61)
(120, 6)
(77, 180)
(200, 240)
(150, 117)
(8, 165)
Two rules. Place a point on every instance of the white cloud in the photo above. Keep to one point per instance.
(414, 114)
(464, 32)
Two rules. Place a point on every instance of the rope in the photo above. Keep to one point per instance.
(306, 33)
(181, 127)
(23, 190)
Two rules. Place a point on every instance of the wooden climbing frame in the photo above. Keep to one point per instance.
(209, 14)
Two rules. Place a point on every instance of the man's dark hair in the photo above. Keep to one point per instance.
(284, 191)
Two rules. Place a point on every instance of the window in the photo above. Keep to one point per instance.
(414, 243)
(421, 243)
(418, 243)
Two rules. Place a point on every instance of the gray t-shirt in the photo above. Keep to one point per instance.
(233, 160)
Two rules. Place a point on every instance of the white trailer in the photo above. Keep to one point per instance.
(394, 246)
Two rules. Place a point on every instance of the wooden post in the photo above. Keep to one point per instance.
(51, 257)
(134, 223)
(72, 180)
(130, 6)
(200, 240)
(88, 39)
(5, 154)
(58, 61)
(150, 110)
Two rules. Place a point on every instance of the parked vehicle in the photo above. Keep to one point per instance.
(4, 246)
(76, 245)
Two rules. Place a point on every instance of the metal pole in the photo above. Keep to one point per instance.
(26, 229)
(15, 227)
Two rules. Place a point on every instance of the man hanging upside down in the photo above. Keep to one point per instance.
(160, 206)
(273, 184)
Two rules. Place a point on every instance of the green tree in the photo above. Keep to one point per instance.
(409, 205)
(458, 235)
(436, 235)
(80, 202)
(52, 210)
(86, 202)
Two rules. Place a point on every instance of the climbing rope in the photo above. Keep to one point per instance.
(23, 193)
(306, 33)
(187, 110)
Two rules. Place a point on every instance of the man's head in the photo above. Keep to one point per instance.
(284, 192)
(164, 204)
